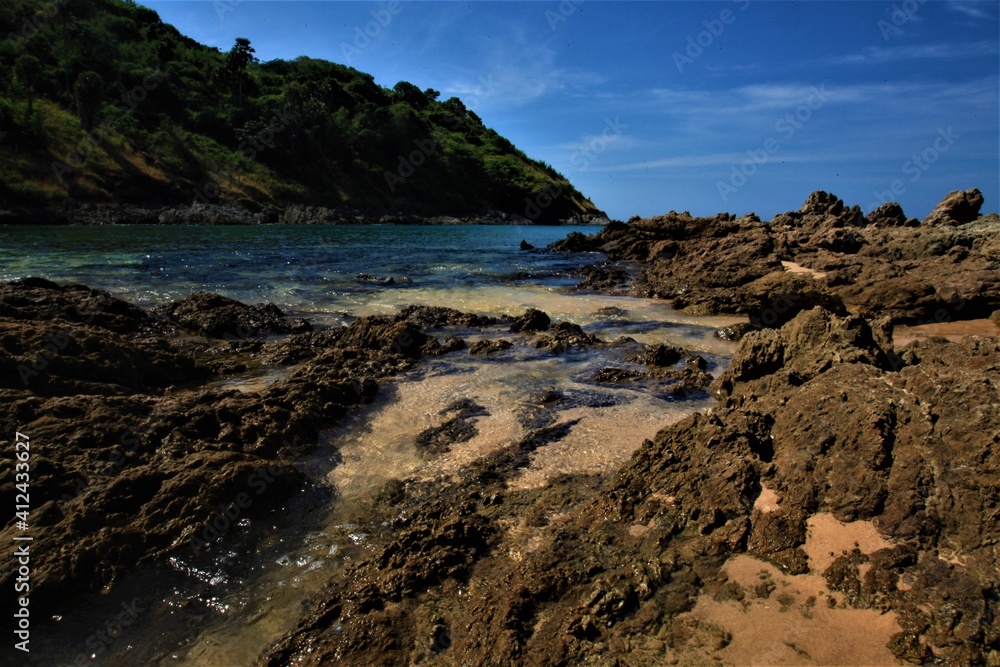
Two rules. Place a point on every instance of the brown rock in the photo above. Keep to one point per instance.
(958, 207)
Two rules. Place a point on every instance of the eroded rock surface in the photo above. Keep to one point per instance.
(821, 417)
(945, 268)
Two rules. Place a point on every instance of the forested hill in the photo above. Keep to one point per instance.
(100, 101)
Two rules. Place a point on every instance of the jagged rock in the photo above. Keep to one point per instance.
(888, 215)
(822, 203)
(958, 207)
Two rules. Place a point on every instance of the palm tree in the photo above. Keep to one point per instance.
(240, 57)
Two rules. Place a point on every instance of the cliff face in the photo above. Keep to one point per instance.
(108, 104)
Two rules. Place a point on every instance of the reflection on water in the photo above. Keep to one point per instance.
(222, 607)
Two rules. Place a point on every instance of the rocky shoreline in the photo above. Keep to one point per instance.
(852, 476)
(839, 504)
(251, 213)
(943, 268)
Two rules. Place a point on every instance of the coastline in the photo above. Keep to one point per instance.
(838, 483)
(256, 214)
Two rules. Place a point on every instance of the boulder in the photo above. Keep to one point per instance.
(957, 208)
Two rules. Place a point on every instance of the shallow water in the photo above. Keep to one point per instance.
(222, 606)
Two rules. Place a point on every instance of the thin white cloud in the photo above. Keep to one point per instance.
(713, 160)
(526, 71)
(973, 10)
(874, 55)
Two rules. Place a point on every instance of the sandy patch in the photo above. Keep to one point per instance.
(797, 620)
(767, 501)
(953, 331)
(792, 267)
(828, 538)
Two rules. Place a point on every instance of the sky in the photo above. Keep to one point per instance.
(651, 106)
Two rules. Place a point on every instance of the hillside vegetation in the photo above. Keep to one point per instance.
(100, 101)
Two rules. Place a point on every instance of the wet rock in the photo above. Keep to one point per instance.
(734, 332)
(369, 279)
(958, 207)
(526, 246)
(661, 355)
(490, 346)
(141, 453)
(576, 242)
(532, 320)
(219, 316)
(612, 375)
(603, 278)
(566, 335)
(384, 334)
(439, 316)
(459, 427)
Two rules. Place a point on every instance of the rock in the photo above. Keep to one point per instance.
(734, 332)
(882, 266)
(822, 203)
(776, 298)
(369, 279)
(957, 208)
(617, 375)
(458, 428)
(603, 278)
(490, 346)
(43, 300)
(140, 453)
(385, 335)
(438, 316)
(575, 242)
(532, 320)
(566, 335)
(219, 316)
(888, 215)
(526, 246)
(661, 355)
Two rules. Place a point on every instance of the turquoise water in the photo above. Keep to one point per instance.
(308, 270)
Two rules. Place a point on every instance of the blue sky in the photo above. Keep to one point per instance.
(739, 106)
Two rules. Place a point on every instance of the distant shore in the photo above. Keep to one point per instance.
(256, 214)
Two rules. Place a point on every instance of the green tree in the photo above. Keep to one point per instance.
(240, 57)
(89, 89)
(28, 70)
